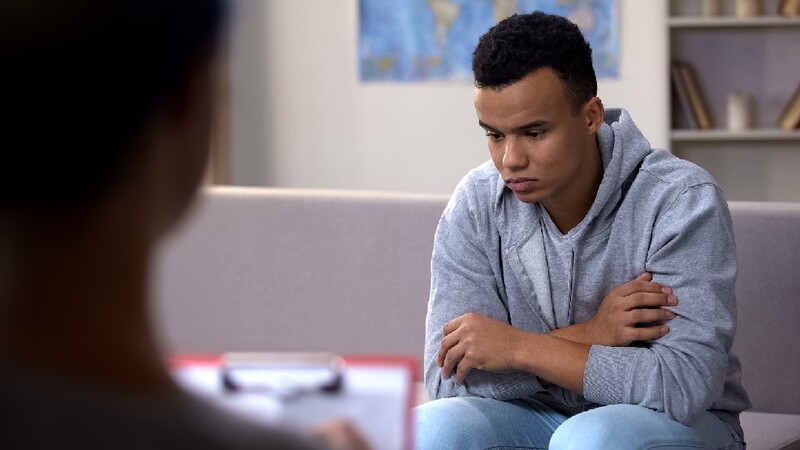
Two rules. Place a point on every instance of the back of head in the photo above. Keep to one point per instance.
(525, 43)
(79, 80)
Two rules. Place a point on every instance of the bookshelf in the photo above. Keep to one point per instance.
(756, 135)
(760, 57)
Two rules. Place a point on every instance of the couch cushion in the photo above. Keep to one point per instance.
(768, 300)
(767, 431)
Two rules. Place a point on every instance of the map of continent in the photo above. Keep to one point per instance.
(422, 40)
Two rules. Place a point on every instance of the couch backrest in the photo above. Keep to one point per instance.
(349, 272)
(768, 300)
(299, 270)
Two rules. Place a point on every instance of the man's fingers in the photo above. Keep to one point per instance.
(648, 315)
(447, 342)
(647, 276)
(642, 283)
(451, 326)
(461, 371)
(649, 300)
(635, 286)
(451, 361)
(648, 333)
(340, 435)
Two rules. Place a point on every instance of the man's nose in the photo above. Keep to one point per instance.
(514, 156)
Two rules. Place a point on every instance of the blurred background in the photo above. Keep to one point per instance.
(296, 110)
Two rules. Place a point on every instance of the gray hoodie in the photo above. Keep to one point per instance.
(503, 258)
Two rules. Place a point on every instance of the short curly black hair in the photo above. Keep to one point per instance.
(525, 43)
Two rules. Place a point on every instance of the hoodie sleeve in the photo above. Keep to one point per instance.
(682, 374)
(464, 279)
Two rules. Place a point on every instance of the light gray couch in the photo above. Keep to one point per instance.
(349, 272)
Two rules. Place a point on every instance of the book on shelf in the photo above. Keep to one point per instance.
(789, 8)
(682, 95)
(790, 116)
(693, 92)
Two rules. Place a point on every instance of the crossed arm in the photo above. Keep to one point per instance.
(474, 341)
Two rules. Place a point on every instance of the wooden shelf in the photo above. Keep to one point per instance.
(720, 135)
(732, 22)
(757, 56)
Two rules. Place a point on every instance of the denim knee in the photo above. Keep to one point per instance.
(480, 423)
(451, 423)
(595, 430)
(635, 427)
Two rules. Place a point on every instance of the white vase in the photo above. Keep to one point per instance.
(748, 8)
(740, 111)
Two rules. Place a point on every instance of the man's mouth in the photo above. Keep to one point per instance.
(521, 184)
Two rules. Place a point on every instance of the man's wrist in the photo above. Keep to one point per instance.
(521, 352)
(576, 333)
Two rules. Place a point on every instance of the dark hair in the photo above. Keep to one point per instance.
(79, 80)
(525, 43)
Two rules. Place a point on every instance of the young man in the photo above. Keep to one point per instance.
(104, 123)
(582, 282)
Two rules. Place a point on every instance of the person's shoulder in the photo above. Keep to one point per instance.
(668, 183)
(482, 179)
(478, 188)
(673, 172)
(475, 198)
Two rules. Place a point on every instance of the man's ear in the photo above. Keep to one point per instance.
(594, 113)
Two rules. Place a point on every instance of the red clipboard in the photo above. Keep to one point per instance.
(377, 395)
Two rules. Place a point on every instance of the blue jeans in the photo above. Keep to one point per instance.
(478, 423)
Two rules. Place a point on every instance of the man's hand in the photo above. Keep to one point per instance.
(637, 302)
(473, 341)
(340, 435)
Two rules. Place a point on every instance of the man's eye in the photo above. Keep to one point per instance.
(493, 136)
(535, 134)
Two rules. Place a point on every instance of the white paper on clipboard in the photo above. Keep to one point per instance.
(376, 394)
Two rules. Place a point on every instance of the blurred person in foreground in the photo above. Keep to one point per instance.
(104, 121)
(582, 292)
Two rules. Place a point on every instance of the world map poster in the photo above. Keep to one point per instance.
(422, 40)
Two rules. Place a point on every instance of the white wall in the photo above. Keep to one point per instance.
(301, 118)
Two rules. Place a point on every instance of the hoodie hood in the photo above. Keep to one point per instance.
(622, 148)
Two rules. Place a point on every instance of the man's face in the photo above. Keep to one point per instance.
(536, 141)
